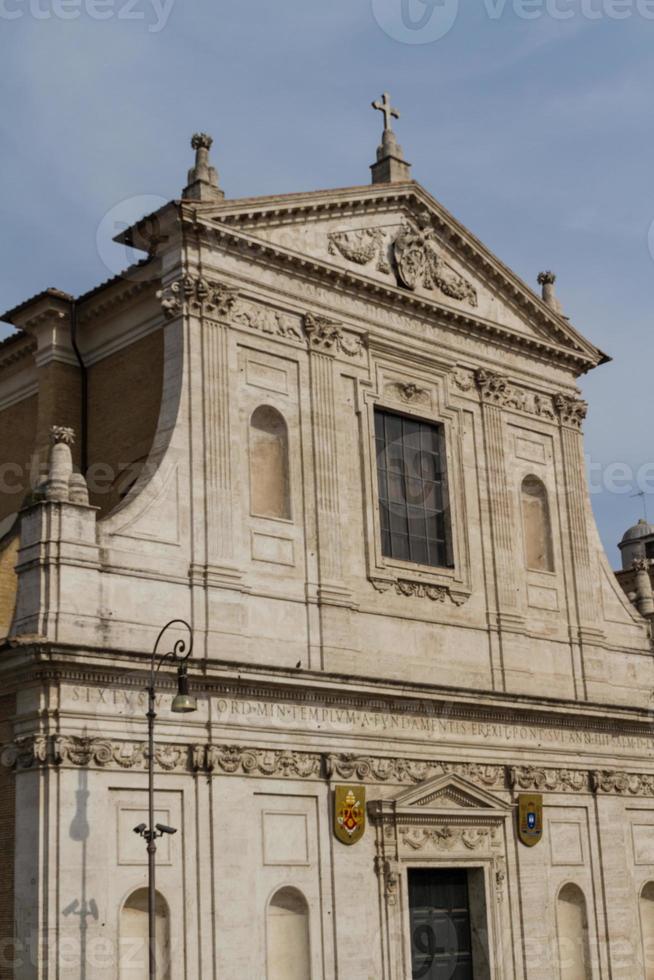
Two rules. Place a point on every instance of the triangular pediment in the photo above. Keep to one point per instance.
(449, 791)
(398, 237)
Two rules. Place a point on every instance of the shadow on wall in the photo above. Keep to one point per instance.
(83, 907)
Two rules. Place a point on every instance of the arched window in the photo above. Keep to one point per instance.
(647, 928)
(537, 526)
(134, 937)
(287, 936)
(269, 480)
(572, 924)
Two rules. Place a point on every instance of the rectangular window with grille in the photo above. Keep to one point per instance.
(413, 499)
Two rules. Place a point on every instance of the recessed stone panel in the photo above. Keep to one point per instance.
(643, 841)
(566, 846)
(285, 838)
(274, 548)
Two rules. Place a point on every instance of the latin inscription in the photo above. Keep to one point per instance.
(414, 720)
(245, 713)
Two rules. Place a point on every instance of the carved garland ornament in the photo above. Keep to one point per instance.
(555, 780)
(197, 295)
(420, 590)
(447, 838)
(361, 246)
(32, 751)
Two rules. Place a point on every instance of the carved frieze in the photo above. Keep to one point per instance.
(27, 752)
(232, 759)
(197, 295)
(555, 780)
(23, 753)
(267, 321)
(622, 783)
(348, 767)
(328, 337)
(418, 263)
(495, 389)
(421, 590)
(446, 838)
(362, 247)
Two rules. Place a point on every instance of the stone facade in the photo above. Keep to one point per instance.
(445, 691)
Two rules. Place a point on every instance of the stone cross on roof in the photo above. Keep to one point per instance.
(391, 166)
(389, 112)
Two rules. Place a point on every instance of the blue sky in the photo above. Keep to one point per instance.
(536, 132)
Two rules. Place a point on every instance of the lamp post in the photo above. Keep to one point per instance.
(183, 702)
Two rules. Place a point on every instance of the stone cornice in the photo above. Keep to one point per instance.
(73, 751)
(226, 679)
(335, 276)
(15, 348)
(249, 213)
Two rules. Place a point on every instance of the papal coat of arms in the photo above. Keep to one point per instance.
(530, 818)
(349, 813)
(419, 263)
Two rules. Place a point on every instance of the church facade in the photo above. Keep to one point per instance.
(343, 441)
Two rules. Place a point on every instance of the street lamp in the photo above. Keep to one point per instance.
(182, 703)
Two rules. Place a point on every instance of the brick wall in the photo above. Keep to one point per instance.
(59, 403)
(124, 401)
(8, 583)
(17, 443)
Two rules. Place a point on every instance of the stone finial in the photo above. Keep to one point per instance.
(391, 167)
(63, 485)
(202, 178)
(547, 280)
(62, 433)
(78, 491)
(644, 593)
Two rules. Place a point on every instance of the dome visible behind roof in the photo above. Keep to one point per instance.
(643, 529)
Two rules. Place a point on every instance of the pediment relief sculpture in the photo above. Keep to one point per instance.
(361, 246)
(416, 258)
(419, 263)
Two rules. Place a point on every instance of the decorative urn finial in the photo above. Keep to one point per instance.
(391, 167)
(202, 178)
(547, 280)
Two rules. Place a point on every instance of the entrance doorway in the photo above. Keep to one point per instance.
(441, 935)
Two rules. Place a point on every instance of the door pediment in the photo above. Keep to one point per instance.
(449, 792)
